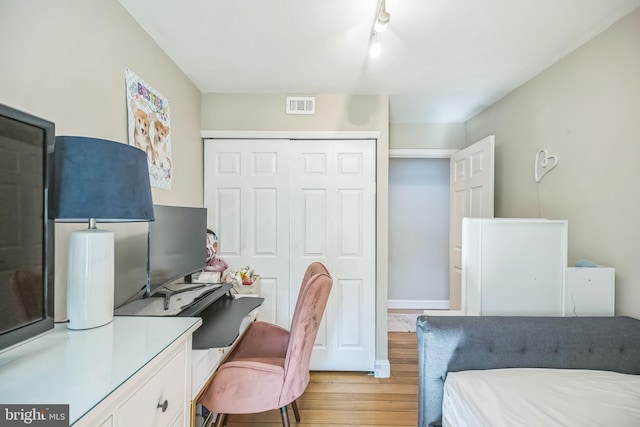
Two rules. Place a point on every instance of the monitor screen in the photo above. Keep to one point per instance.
(26, 232)
(177, 244)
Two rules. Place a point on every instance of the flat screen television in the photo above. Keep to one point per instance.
(26, 231)
(177, 244)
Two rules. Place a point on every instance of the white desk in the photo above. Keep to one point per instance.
(108, 375)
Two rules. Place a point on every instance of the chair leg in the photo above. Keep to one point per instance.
(220, 420)
(285, 416)
(294, 405)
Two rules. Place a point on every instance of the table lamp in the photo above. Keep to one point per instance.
(96, 180)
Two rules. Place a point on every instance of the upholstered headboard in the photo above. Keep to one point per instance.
(450, 344)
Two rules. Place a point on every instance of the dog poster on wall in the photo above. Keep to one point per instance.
(149, 129)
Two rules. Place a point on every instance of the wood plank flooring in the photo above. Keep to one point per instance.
(339, 399)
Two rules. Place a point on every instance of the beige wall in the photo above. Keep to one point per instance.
(64, 60)
(266, 112)
(334, 112)
(586, 110)
(447, 136)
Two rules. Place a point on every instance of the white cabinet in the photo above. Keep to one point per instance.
(108, 422)
(117, 375)
(590, 291)
(155, 397)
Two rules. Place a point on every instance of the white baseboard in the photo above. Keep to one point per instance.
(401, 304)
(382, 369)
(444, 313)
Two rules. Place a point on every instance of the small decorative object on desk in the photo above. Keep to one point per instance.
(243, 280)
(206, 277)
(214, 263)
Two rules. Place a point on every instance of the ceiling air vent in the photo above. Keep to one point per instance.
(301, 104)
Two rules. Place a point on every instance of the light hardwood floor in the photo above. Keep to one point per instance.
(339, 399)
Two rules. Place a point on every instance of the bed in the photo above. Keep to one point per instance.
(511, 371)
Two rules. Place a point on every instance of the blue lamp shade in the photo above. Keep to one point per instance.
(96, 181)
(99, 179)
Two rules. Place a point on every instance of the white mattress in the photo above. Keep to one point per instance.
(541, 397)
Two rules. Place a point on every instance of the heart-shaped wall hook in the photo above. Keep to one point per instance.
(544, 164)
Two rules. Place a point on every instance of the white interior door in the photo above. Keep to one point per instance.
(333, 221)
(472, 185)
(279, 205)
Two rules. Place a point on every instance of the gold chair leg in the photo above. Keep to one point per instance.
(219, 420)
(294, 405)
(285, 416)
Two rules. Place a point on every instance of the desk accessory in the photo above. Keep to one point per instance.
(97, 180)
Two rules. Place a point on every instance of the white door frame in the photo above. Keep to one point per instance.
(250, 134)
(420, 153)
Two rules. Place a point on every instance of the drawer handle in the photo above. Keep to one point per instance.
(164, 405)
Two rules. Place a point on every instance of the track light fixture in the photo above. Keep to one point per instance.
(382, 21)
(380, 25)
(375, 48)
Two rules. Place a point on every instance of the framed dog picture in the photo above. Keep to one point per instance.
(149, 128)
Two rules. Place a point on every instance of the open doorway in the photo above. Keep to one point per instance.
(418, 233)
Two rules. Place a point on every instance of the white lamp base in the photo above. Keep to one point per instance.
(90, 278)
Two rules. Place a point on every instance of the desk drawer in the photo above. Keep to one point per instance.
(160, 399)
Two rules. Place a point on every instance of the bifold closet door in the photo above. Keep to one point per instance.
(317, 198)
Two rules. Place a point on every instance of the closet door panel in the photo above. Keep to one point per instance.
(228, 220)
(314, 222)
(350, 223)
(265, 215)
(350, 311)
(246, 194)
(344, 172)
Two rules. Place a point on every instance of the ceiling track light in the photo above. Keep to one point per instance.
(375, 48)
(380, 25)
(382, 20)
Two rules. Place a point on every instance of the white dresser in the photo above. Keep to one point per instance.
(133, 372)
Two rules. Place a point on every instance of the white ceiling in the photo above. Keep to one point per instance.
(442, 60)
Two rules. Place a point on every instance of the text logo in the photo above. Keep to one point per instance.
(34, 415)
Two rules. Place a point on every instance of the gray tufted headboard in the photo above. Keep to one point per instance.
(450, 344)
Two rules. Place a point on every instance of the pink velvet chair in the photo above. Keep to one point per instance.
(269, 368)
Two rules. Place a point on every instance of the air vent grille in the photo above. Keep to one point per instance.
(301, 104)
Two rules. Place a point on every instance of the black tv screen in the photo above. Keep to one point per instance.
(177, 244)
(26, 231)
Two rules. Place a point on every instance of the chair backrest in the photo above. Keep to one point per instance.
(313, 269)
(310, 306)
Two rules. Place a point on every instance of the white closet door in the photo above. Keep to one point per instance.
(246, 195)
(333, 221)
(280, 205)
